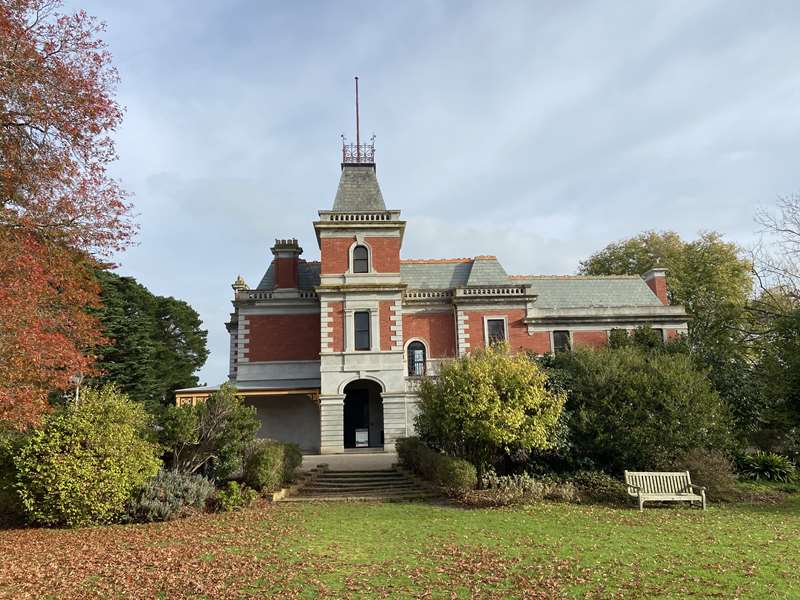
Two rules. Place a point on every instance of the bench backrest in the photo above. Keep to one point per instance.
(658, 483)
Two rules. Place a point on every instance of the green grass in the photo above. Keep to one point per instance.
(378, 550)
(562, 550)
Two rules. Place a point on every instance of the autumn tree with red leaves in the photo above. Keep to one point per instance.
(60, 211)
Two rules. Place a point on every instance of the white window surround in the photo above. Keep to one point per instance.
(350, 328)
(486, 319)
(359, 242)
(571, 343)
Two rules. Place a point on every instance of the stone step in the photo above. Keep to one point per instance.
(357, 480)
(373, 488)
(387, 472)
(385, 484)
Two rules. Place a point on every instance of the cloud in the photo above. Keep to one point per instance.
(538, 132)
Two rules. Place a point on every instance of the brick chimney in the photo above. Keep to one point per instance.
(656, 279)
(287, 263)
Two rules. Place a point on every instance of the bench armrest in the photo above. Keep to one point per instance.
(636, 487)
(697, 487)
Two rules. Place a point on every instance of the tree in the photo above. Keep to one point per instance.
(630, 408)
(714, 282)
(488, 403)
(45, 333)
(58, 206)
(85, 462)
(156, 343)
(210, 436)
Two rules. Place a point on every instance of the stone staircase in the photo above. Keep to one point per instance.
(386, 484)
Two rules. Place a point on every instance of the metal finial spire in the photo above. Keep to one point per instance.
(358, 126)
(356, 153)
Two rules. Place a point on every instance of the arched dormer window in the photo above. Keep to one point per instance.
(360, 259)
(416, 359)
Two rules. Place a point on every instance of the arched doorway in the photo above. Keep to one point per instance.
(363, 415)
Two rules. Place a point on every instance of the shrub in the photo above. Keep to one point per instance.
(453, 475)
(263, 465)
(596, 486)
(11, 510)
(211, 436)
(233, 497)
(767, 466)
(633, 409)
(486, 403)
(85, 462)
(712, 469)
(269, 464)
(169, 495)
(522, 488)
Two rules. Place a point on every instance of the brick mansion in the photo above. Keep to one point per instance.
(330, 351)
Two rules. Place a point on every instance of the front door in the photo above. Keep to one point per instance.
(356, 418)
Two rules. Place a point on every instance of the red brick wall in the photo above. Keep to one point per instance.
(385, 254)
(335, 255)
(283, 337)
(286, 272)
(384, 312)
(436, 328)
(518, 337)
(595, 339)
(337, 325)
(659, 287)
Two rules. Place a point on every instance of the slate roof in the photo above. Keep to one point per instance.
(553, 291)
(358, 190)
(486, 270)
(590, 292)
(308, 275)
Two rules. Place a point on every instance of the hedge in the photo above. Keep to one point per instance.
(269, 464)
(453, 475)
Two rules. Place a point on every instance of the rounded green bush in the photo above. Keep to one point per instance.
(269, 464)
(85, 462)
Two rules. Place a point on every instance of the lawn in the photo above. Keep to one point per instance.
(418, 550)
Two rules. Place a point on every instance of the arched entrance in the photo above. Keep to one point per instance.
(363, 415)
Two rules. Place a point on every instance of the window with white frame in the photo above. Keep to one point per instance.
(495, 331)
(361, 330)
(416, 359)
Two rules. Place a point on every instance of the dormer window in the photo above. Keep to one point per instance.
(360, 259)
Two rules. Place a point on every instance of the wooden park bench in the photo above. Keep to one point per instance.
(663, 487)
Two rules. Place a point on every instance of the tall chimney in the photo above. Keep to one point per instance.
(656, 279)
(287, 263)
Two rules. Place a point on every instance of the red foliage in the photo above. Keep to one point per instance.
(58, 205)
(46, 333)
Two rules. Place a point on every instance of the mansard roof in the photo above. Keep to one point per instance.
(308, 276)
(589, 292)
(553, 291)
(358, 189)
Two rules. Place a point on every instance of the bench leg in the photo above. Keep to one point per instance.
(703, 495)
(641, 504)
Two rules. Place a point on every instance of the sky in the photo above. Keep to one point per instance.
(535, 131)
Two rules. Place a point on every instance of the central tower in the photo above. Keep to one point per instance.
(362, 384)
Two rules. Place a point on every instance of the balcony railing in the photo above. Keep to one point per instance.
(358, 154)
